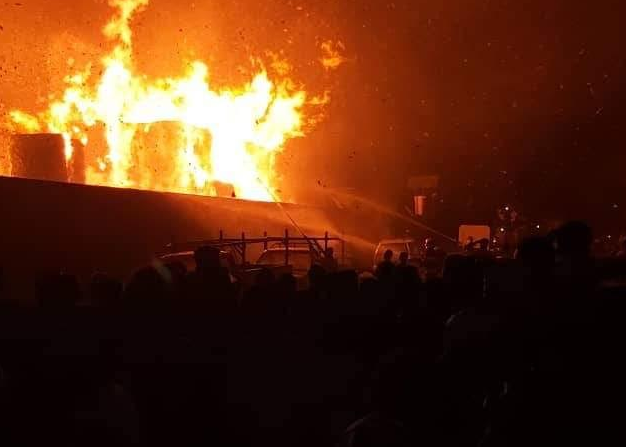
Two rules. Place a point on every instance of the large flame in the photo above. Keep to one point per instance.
(213, 137)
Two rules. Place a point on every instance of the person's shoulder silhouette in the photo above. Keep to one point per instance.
(386, 268)
(210, 278)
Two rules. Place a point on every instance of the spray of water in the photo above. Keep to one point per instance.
(342, 196)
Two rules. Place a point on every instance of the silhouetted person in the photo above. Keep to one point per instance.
(407, 273)
(57, 291)
(433, 259)
(147, 288)
(210, 283)
(469, 244)
(265, 280)
(463, 279)
(207, 260)
(177, 272)
(574, 267)
(536, 256)
(408, 283)
(286, 287)
(104, 291)
(317, 279)
(369, 288)
(261, 298)
(403, 259)
(574, 240)
(329, 262)
(386, 269)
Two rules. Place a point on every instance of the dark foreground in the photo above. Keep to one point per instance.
(525, 352)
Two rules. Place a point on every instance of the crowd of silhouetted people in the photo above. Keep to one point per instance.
(489, 352)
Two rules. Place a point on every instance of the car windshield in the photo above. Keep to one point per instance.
(299, 260)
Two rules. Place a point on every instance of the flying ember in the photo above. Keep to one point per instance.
(171, 134)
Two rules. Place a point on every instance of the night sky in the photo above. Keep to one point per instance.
(508, 101)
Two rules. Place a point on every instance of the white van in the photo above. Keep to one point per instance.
(397, 246)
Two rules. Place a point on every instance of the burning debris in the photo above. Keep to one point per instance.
(332, 58)
(171, 134)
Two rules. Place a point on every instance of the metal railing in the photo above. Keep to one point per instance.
(317, 245)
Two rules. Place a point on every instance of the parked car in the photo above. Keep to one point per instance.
(242, 274)
(397, 246)
(299, 258)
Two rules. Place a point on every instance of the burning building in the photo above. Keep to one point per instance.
(176, 134)
(118, 164)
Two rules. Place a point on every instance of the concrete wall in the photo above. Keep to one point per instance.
(80, 229)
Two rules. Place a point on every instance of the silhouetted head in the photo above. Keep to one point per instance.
(574, 239)
(146, 285)
(330, 252)
(369, 286)
(404, 258)
(207, 258)
(286, 284)
(388, 256)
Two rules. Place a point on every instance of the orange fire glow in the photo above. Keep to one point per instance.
(201, 137)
